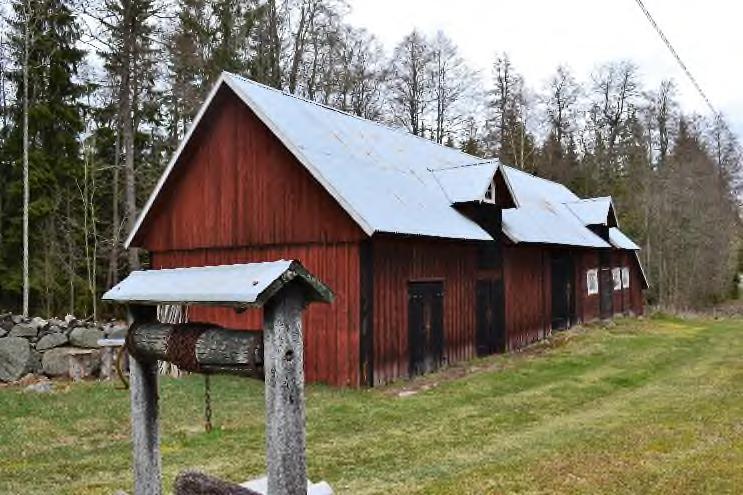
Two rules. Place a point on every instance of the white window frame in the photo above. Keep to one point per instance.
(625, 277)
(592, 281)
(616, 275)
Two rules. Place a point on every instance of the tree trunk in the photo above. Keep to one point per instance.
(26, 192)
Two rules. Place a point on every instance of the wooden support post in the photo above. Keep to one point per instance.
(284, 370)
(145, 427)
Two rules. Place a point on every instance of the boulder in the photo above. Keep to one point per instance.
(16, 319)
(51, 340)
(85, 337)
(118, 332)
(15, 358)
(6, 323)
(3, 332)
(24, 330)
(38, 322)
(42, 387)
(56, 322)
(56, 362)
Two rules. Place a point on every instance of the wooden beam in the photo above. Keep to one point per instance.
(145, 428)
(199, 347)
(285, 415)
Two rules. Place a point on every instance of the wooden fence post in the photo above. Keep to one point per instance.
(284, 383)
(145, 427)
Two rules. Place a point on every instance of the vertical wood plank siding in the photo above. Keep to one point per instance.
(527, 277)
(237, 185)
(587, 307)
(401, 260)
(238, 195)
(331, 331)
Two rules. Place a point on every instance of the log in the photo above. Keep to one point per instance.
(198, 347)
(196, 483)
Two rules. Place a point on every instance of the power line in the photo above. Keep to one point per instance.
(677, 57)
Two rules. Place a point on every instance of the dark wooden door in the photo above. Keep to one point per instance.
(425, 326)
(606, 292)
(562, 291)
(491, 327)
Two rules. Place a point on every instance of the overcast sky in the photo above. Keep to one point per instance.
(540, 34)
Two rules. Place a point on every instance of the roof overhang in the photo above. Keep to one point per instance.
(240, 286)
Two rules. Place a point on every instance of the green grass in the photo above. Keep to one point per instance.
(649, 406)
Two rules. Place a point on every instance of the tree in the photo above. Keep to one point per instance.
(46, 118)
(509, 138)
(410, 85)
(558, 157)
(130, 62)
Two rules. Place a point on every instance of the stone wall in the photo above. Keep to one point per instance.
(45, 347)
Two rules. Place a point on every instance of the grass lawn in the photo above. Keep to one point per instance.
(649, 406)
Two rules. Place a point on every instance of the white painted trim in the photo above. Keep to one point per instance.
(508, 184)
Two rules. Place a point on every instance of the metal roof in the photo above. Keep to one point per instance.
(389, 180)
(548, 224)
(242, 285)
(466, 182)
(529, 189)
(592, 211)
(618, 239)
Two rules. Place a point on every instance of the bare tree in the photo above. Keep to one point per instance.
(410, 85)
(452, 83)
(615, 86)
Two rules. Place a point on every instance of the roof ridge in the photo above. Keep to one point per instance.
(465, 165)
(595, 198)
(342, 112)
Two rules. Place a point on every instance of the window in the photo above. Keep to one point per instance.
(592, 281)
(616, 274)
(490, 193)
(625, 277)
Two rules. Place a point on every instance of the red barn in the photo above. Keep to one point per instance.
(435, 255)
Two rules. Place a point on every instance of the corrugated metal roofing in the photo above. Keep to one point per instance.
(466, 182)
(618, 239)
(249, 284)
(382, 176)
(549, 224)
(389, 180)
(592, 211)
(532, 190)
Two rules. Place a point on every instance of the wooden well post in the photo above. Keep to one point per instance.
(283, 289)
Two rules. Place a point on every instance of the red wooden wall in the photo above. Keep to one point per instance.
(527, 278)
(398, 261)
(586, 307)
(237, 185)
(237, 195)
(331, 331)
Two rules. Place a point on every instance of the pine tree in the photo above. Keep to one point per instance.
(54, 126)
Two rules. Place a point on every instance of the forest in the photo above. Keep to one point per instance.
(96, 94)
